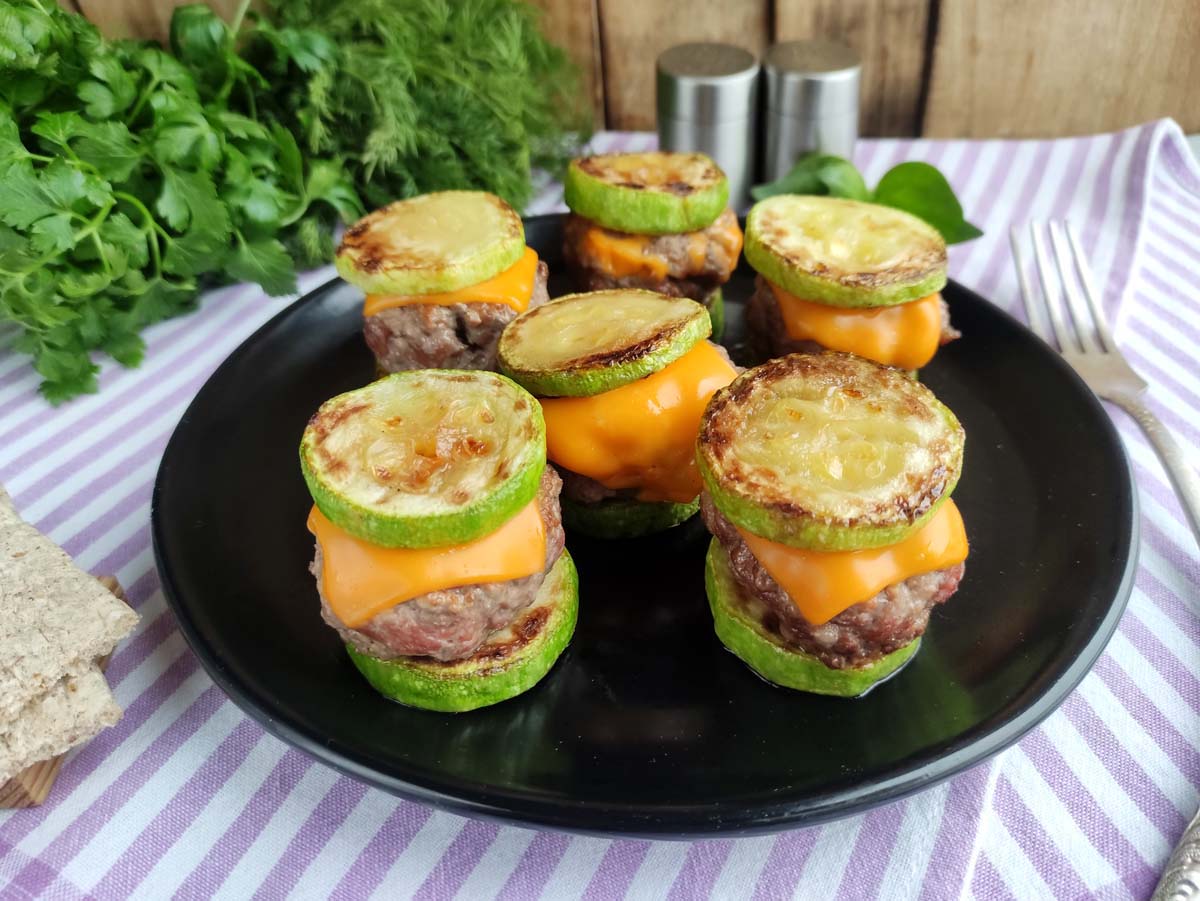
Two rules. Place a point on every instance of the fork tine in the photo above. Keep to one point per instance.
(1065, 341)
(1033, 312)
(1089, 291)
(1085, 329)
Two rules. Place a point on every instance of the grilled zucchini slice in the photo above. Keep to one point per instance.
(843, 252)
(656, 193)
(510, 662)
(750, 641)
(425, 458)
(432, 243)
(625, 519)
(585, 344)
(829, 452)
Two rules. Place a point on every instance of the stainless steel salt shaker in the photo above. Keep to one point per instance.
(811, 103)
(708, 102)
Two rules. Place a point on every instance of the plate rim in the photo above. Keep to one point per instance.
(686, 821)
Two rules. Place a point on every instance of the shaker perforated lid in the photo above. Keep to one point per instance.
(707, 83)
(812, 79)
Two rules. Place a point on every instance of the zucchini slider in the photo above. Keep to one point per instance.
(440, 557)
(827, 489)
(623, 377)
(842, 275)
(443, 274)
(652, 220)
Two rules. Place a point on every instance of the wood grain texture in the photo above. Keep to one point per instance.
(1025, 68)
(890, 37)
(574, 25)
(141, 18)
(634, 32)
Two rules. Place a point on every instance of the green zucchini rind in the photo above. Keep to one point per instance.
(715, 304)
(509, 663)
(829, 452)
(585, 344)
(843, 252)
(425, 458)
(625, 519)
(431, 243)
(655, 193)
(763, 653)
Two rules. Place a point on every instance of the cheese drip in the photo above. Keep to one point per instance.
(822, 584)
(641, 435)
(361, 580)
(513, 287)
(905, 335)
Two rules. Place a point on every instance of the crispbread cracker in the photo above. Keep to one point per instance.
(75, 708)
(54, 618)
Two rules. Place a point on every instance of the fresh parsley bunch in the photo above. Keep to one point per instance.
(129, 176)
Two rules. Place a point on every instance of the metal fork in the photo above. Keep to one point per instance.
(1091, 351)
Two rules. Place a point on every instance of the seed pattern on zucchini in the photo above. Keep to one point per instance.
(655, 193)
(425, 458)
(432, 243)
(585, 344)
(843, 252)
(828, 452)
(750, 641)
(510, 662)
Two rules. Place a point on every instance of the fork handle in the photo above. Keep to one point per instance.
(1182, 475)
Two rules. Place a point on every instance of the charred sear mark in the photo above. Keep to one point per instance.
(525, 630)
(679, 188)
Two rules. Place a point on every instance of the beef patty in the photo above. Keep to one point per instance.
(688, 273)
(768, 336)
(452, 623)
(857, 636)
(432, 336)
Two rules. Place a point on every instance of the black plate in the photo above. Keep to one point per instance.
(647, 725)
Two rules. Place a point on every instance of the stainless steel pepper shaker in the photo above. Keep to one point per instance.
(708, 102)
(812, 102)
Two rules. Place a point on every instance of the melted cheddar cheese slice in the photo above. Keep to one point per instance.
(513, 287)
(621, 255)
(361, 580)
(824, 583)
(641, 435)
(906, 335)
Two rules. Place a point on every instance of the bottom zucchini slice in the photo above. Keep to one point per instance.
(585, 344)
(625, 519)
(510, 662)
(763, 652)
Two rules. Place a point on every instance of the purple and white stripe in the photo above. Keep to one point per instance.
(187, 797)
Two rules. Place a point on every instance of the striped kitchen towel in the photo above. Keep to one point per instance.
(188, 797)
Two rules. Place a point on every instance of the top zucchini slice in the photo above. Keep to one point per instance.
(843, 252)
(432, 243)
(585, 344)
(828, 452)
(425, 458)
(658, 193)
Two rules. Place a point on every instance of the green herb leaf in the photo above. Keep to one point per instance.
(922, 190)
(266, 262)
(816, 173)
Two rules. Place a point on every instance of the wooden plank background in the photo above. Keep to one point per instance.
(943, 68)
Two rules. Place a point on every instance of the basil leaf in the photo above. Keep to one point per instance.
(922, 190)
(817, 173)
